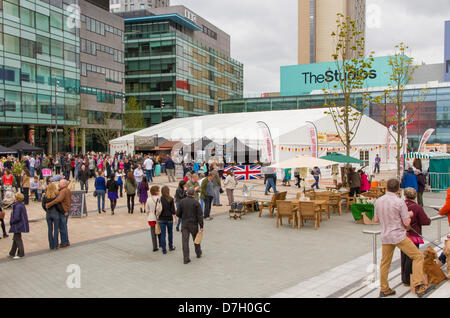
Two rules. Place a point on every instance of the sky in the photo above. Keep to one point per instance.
(264, 33)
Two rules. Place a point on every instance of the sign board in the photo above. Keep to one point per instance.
(46, 173)
(78, 206)
(447, 52)
(179, 173)
(306, 78)
(52, 130)
(145, 143)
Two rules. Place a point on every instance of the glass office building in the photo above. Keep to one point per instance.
(171, 74)
(39, 73)
(432, 112)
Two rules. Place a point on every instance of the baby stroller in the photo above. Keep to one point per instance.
(8, 198)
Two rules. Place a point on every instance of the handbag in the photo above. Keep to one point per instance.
(95, 194)
(221, 190)
(198, 238)
(157, 227)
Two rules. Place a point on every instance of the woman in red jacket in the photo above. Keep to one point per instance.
(7, 179)
(446, 211)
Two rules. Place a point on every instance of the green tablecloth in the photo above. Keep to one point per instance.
(357, 210)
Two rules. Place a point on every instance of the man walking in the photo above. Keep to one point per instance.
(191, 216)
(207, 195)
(148, 167)
(217, 184)
(269, 176)
(394, 218)
(377, 164)
(65, 198)
(193, 184)
(83, 176)
(316, 174)
(170, 168)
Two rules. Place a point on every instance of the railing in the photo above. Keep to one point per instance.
(376, 233)
(439, 181)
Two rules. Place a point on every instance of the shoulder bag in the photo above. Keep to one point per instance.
(157, 227)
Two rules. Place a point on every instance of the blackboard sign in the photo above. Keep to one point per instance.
(78, 205)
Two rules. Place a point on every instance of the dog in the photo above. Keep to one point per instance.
(431, 270)
(447, 254)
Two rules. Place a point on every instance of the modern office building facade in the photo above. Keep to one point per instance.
(178, 64)
(44, 90)
(135, 5)
(316, 22)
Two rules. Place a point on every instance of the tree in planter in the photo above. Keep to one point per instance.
(17, 169)
(401, 72)
(352, 70)
(133, 119)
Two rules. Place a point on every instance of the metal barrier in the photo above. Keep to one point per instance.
(376, 233)
(439, 181)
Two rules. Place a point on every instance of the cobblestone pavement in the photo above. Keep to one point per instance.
(247, 258)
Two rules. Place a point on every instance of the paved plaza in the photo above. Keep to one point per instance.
(247, 258)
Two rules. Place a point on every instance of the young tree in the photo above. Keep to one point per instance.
(353, 69)
(133, 119)
(106, 130)
(401, 72)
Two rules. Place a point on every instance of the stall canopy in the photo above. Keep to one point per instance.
(337, 157)
(236, 151)
(203, 144)
(427, 155)
(303, 162)
(22, 146)
(6, 151)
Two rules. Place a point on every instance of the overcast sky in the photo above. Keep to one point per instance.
(264, 32)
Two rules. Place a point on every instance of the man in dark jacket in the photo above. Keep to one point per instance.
(191, 216)
(170, 168)
(354, 179)
(421, 182)
(83, 176)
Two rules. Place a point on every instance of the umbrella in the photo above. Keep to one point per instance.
(337, 157)
(303, 162)
(24, 147)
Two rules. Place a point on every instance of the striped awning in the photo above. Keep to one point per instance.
(427, 155)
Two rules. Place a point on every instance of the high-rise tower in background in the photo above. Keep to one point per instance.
(316, 22)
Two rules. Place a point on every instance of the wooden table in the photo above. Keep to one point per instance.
(321, 203)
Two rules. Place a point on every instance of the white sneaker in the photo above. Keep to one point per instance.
(17, 257)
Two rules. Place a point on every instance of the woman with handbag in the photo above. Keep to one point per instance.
(154, 208)
(52, 215)
(112, 188)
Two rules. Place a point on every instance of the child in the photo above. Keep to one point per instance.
(34, 186)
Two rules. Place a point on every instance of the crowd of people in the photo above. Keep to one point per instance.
(50, 180)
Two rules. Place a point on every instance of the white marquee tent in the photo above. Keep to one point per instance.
(289, 130)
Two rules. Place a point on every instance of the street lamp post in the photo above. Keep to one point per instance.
(56, 115)
(123, 109)
(161, 109)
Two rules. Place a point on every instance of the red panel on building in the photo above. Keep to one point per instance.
(183, 85)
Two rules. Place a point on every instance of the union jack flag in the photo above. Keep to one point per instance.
(252, 172)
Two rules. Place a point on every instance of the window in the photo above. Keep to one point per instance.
(364, 156)
(44, 104)
(27, 17)
(69, 53)
(42, 22)
(29, 103)
(12, 101)
(12, 44)
(56, 48)
(42, 45)
(43, 74)
(28, 48)
(56, 20)
(11, 9)
(11, 75)
(28, 72)
(83, 69)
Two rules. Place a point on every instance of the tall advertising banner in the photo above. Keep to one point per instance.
(268, 141)
(426, 136)
(312, 133)
(447, 52)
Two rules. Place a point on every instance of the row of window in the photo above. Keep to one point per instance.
(98, 27)
(209, 32)
(40, 74)
(42, 46)
(100, 118)
(90, 47)
(103, 96)
(37, 20)
(111, 75)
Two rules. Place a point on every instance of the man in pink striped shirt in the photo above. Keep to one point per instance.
(394, 218)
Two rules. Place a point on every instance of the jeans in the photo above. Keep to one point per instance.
(155, 238)
(121, 189)
(63, 230)
(316, 184)
(53, 228)
(166, 226)
(202, 204)
(84, 185)
(377, 168)
(271, 184)
(100, 196)
(26, 195)
(130, 202)
(36, 194)
(208, 201)
(149, 175)
(179, 219)
(17, 245)
(32, 172)
(216, 195)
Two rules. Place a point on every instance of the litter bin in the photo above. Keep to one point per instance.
(157, 170)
